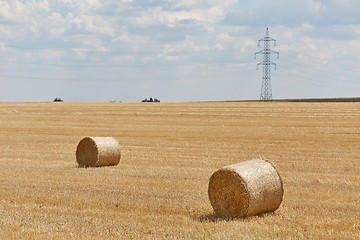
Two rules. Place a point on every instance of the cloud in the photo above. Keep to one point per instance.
(335, 12)
(272, 13)
(11, 12)
(159, 45)
(90, 24)
(173, 14)
(297, 12)
(83, 6)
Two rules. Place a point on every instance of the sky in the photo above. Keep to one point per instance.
(176, 50)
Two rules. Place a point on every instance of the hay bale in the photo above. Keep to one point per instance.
(97, 152)
(245, 189)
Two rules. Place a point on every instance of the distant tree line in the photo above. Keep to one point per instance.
(150, 100)
(58, 100)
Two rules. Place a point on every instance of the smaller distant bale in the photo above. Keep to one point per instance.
(98, 152)
(245, 189)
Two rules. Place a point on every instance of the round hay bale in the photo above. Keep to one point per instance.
(245, 189)
(98, 152)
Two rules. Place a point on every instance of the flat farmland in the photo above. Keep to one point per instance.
(169, 151)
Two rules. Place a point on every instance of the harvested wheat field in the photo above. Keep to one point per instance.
(159, 190)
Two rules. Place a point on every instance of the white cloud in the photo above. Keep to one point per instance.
(12, 11)
(280, 12)
(131, 38)
(297, 12)
(223, 37)
(23, 18)
(56, 25)
(82, 6)
(171, 40)
(204, 13)
(86, 6)
(187, 45)
(90, 24)
(41, 5)
(200, 4)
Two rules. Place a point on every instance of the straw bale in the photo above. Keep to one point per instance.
(245, 189)
(98, 152)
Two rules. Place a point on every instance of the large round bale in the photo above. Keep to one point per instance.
(245, 189)
(98, 152)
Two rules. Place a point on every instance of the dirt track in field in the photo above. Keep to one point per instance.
(169, 151)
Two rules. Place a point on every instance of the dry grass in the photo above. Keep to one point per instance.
(169, 151)
(245, 189)
(98, 152)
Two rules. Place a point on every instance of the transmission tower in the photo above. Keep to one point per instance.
(266, 94)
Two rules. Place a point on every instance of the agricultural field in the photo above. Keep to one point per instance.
(169, 151)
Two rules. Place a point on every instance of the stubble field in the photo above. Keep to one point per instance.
(169, 151)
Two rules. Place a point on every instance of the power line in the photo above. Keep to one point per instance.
(134, 51)
(309, 73)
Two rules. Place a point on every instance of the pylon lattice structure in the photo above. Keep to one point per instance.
(266, 94)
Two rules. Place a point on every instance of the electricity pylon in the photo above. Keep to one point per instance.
(266, 94)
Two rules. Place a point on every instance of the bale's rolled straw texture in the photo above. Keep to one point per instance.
(245, 189)
(98, 152)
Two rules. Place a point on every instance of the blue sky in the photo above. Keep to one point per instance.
(176, 50)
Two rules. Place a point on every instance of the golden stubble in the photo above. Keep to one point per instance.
(169, 151)
(245, 189)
